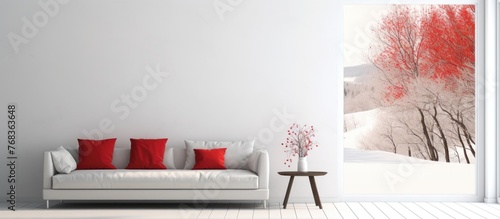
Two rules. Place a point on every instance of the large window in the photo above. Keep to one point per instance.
(410, 99)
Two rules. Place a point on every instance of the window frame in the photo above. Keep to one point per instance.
(484, 94)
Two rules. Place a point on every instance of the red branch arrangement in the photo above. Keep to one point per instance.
(299, 141)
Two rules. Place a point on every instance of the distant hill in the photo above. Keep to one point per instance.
(359, 70)
(359, 89)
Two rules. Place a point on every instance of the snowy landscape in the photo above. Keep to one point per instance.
(409, 104)
(389, 172)
(369, 125)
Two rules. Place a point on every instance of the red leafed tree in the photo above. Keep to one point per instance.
(424, 42)
(418, 45)
(451, 39)
(398, 54)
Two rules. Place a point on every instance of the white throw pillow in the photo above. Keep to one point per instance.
(253, 161)
(169, 160)
(63, 161)
(237, 152)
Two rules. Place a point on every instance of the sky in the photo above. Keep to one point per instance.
(358, 21)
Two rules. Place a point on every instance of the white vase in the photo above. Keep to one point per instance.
(302, 165)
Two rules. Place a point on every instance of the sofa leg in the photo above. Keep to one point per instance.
(47, 204)
(264, 202)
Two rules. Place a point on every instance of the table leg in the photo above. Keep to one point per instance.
(288, 191)
(311, 179)
(315, 192)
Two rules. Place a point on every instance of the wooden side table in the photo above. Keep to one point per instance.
(312, 181)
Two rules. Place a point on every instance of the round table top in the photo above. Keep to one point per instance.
(297, 173)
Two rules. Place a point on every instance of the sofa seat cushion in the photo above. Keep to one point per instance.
(157, 179)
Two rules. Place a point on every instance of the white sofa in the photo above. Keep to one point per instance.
(174, 183)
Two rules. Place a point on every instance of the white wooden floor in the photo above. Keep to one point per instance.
(345, 210)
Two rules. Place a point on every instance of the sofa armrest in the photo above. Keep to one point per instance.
(259, 163)
(48, 170)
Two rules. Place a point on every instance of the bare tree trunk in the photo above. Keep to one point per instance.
(432, 150)
(459, 121)
(441, 135)
(458, 155)
(390, 136)
(394, 145)
(422, 140)
(468, 136)
(409, 151)
(462, 143)
(421, 153)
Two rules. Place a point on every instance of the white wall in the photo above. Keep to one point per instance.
(227, 78)
(498, 95)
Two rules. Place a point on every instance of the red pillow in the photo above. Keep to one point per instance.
(147, 153)
(209, 158)
(95, 154)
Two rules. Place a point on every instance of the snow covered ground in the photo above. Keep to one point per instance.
(385, 173)
(358, 124)
(370, 172)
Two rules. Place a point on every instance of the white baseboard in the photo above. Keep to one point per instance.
(491, 200)
(304, 199)
(410, 198)
(271, 199)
